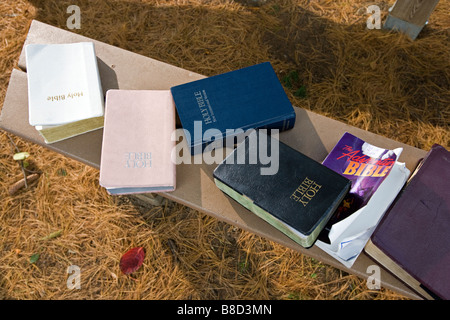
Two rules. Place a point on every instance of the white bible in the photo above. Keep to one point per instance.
(63, 83)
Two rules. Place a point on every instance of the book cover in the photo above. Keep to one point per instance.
(248, 98)
(137, 144)
(413, 237)
(63, 83)
(298, 198)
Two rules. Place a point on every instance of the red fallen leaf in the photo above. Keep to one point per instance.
(132, 260)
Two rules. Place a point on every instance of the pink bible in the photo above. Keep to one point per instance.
(137, 144)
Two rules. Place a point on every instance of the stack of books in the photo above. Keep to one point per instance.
(65, 96)
(304, 199)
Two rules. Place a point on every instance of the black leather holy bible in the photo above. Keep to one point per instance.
(284, 187)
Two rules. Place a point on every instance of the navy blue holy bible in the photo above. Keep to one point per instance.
(224, 105)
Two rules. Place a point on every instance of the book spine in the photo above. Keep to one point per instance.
(282, 125)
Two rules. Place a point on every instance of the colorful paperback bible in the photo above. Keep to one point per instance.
(222, 105)
(365, 165)
(297, 195)
(137, 144)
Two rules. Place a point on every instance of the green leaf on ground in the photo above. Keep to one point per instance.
(34, 258)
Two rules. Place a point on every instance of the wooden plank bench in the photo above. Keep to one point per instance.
(313, 135)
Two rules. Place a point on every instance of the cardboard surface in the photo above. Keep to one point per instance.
(313, 135)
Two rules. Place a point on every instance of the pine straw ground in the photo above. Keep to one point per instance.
(328, 62)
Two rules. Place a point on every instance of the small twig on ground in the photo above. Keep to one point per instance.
(22, 183)
(173, 249)
(25, 179)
